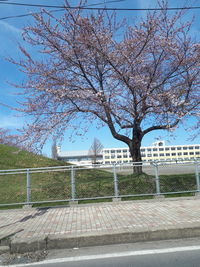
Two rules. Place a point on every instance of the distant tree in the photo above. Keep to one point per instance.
(16, 140)
(54, 152)
(7, 138)
(95, 150)
(3, 136)
(145, 80)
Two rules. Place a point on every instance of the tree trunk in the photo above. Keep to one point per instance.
(134, 147)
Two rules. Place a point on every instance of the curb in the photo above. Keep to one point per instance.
(66, 242)
(4, 249)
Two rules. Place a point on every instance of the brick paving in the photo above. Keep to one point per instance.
(126, 216)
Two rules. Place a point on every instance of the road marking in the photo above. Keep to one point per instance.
(112, 255)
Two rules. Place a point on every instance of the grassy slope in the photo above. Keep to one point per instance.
(13, 158)
(13, 187)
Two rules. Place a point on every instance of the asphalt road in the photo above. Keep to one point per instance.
(178, 259)
(173, 253)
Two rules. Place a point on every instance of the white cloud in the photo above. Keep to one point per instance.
(8, 27)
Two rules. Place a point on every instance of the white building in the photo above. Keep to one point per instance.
(78, 157)
(158, 151)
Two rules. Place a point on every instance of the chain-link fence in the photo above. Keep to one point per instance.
(72, 183)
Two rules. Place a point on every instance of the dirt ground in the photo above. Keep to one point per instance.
(162, 169)
(10, 259)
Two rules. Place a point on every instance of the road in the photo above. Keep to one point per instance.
(173, 253)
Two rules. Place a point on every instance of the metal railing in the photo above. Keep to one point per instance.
(73, 183)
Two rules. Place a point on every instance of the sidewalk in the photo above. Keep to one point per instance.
(99, 224)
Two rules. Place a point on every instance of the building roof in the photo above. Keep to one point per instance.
(74, 153)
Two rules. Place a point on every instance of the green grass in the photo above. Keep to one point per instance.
(14, 158)
(13, 187)
(178, 182)
(90, 183)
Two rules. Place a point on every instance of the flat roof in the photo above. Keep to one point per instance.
(74, 153)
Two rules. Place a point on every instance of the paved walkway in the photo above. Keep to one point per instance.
(98, 224)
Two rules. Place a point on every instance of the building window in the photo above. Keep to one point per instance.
(191, 147)
(161, 149)
(148, 149)
(196, 147)
(167, 148)
(167, 154)
(162, 155)
(155, 155)
(185, 153)
(191, 153)
(155, 149)
(173, 154)
(173, 148)
(142, 149)
(184, 148)
(179, 148)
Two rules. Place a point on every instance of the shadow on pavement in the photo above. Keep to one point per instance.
(39, 212)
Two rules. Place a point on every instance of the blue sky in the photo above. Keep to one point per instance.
(10, 34)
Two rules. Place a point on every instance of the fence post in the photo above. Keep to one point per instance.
(73, 187)
(157, 180)
(116, 190)
(197, 177)
(28, 187)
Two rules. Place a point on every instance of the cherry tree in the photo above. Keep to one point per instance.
(133, 78)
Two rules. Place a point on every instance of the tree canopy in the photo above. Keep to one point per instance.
(146, 79)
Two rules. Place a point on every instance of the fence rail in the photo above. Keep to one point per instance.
(73, 183)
